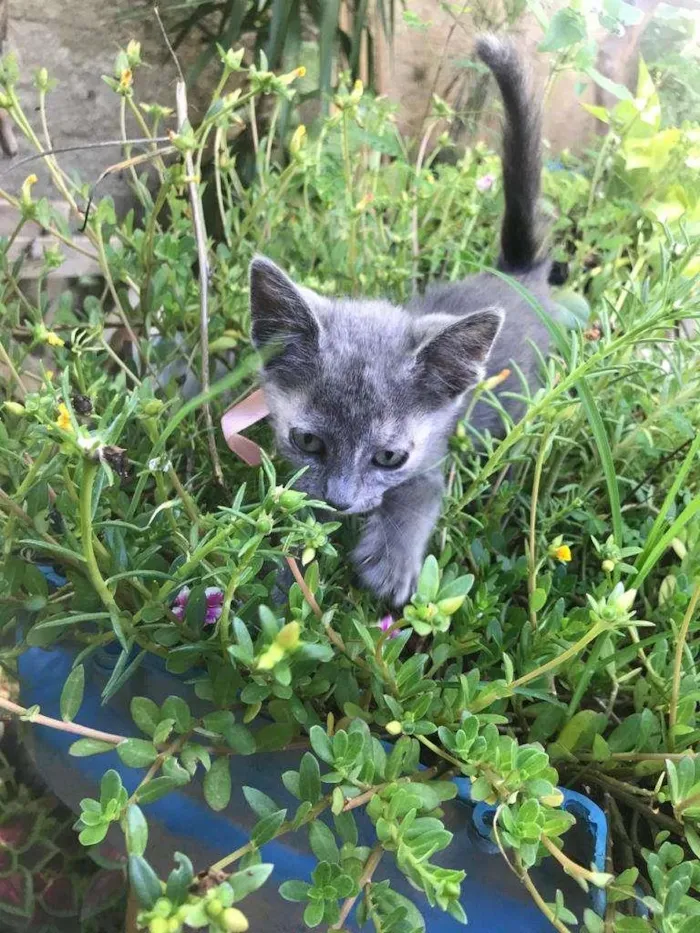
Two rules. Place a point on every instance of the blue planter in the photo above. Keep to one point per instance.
(493, 898)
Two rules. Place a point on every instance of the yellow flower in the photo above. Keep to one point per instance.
(49, 374)
(54, 340)
(562, 553)
(301, 71)
(125, 79)
(490, 384)
(297, 140)
(26, 190)
(63, 421)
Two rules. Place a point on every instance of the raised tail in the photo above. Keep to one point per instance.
(522, 154)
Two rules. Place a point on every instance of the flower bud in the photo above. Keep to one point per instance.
(394, 727)
(288, 638)
(234, 921)
(308, 555)
(298, 139)
(15, 408)
(451, 605)
(608, 565)
(158, 925)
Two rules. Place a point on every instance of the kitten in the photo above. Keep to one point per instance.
(365, 394)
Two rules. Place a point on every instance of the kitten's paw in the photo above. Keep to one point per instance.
(392, 573)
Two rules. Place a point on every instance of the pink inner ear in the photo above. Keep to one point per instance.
(241, 416)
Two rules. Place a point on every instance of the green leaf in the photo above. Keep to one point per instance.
(259, 803)
(250, 879)
(459, 587)
(323, 843)
(295, 890)
(267, 828)
(566, 28)
(176, 709)
(179, 880)
(313, 914)
(137, 753)
(144, 881)
(309, 779)
(72, 693)
(321, 744)
(537, 599)
(156, 789)
(429, 579)
(85, 747)
(145, 714)
(110, 787)
(217, 784)
(136, 830)
(92, 835)
(276, 736)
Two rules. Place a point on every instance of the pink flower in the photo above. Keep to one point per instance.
(385, 624)
(485, 183)
(180, 603)
(214, 604)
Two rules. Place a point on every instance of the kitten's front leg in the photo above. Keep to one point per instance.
(391, 549)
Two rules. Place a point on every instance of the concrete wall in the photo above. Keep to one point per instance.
(77, 41)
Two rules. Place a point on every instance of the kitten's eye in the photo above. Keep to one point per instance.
(390, 459)
(307, 442)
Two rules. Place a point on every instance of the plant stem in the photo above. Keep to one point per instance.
(73, 727)
(678, 660)
(531, 551)
(5, 357)
(538, 899)
(371, 864)
(569, 866)
(90, 470)
(286, 827)
(200, 234)
(308, 595)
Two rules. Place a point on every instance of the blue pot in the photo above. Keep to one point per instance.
(492, 897)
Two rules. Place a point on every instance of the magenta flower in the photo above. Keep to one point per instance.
(385, 624)
(214, 604)
(180, 604)
(485, 183)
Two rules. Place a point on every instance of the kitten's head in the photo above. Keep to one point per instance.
(360, 392)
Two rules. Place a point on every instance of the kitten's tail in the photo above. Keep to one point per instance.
(522, 154)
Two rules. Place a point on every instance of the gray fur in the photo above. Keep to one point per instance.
(368, 376)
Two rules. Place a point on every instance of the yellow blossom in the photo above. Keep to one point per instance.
(63, 421)
(49, 374)
(490, 384)
(26, 190)
(301, 71)
(125, 79)
(562, 553)
(298, 139)
(54, 340)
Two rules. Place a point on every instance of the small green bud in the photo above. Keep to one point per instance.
(215, 908)
(608, 565)
(158, 925)
(264, 524)
(394, 727)
(42, 79)
(308, 555)
(162, 907)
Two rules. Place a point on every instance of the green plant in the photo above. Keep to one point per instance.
(521, 662)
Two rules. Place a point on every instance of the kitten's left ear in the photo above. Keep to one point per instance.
(453, 353)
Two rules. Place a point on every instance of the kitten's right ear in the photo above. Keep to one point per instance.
(283, 325)
(279, 312)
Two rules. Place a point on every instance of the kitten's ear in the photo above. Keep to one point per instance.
(453, 353)
(283, 324)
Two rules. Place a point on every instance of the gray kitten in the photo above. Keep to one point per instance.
(365, 393)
